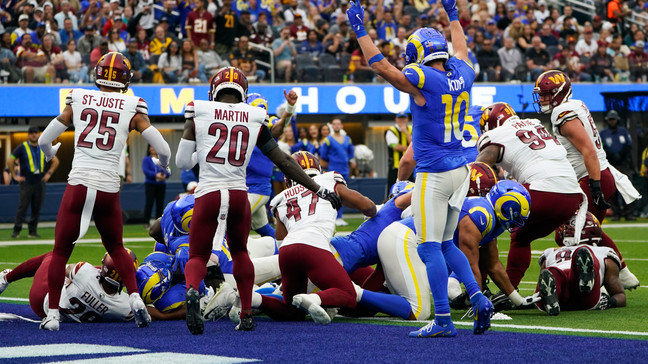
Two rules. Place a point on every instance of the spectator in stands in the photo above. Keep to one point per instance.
(88, 41)
(192, 70)
(567, 13)
(314, 139)
(541, 12)
(385, 24)
(154, 182)
(243, 59)
(93, 16)
(373, 34)
(312, 46)
(336, 153)
(143, 45)
(33, 61)
(335, 47)
(226, 23)
(505, 21)
(617, 144)
(68, 32)
(638, 60)
(66, 13)
(37, 35)
(160, 43)
(37, 17)
(76, 69)
(586, 47)
(23, 27)
(170, 63)
(245, 25)
(617, 10)
(514, 30)
(210, 59)
(115, 42)
(537, 59)
(601, 64)
(32, 179)
(147, 19)
(620, 52)
(110, 23)
(493, 33)
(262, 33)
(97, 53)
(547, 36)
(322, 28)
(398, 137)
(284, 52)
(569, 30)
(324, 131)
(326, 8)
(359, 67)
(510, 58)
(489, 63)
(293, 9)
(200, 23)
(8, 61)
(141, 72)
(298, 31)
(170, 13)
(401, 38)
(55, 57)
(524, 41)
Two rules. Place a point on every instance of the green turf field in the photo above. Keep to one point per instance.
(632, 240)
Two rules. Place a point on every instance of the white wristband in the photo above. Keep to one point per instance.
(290, 109)
(516, 298)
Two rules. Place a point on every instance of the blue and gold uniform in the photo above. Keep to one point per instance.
(471, 132)
(482, 214)
(438, 125)
(337, 154)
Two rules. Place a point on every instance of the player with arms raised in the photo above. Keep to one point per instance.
(439, 89)
(222, 132)
(574, 128)
(102, 121)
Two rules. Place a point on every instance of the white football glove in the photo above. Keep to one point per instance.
(55, 149)
(156, 161)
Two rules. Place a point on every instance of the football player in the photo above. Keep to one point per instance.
(574, 128)
(220, 131)
(439, 88)
(525, 149)
(90, 294)
(102, 122)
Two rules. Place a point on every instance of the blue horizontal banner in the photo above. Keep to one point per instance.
(48, 101)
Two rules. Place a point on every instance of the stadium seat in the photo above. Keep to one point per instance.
(305, 68)
(345, 59)
(333, 74)
(326, 60)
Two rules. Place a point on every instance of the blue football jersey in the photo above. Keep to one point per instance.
(360, 248)
(481, 212)
(160, 260)
(438, 125)
(471, 132)
(166, 222)
(258, 175)
(174, 297)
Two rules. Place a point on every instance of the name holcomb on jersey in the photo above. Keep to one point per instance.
(570, 110)
(532, 155)
(560, 257)
(84, 300)
(225, 138)
(308, 219)
(102, 123)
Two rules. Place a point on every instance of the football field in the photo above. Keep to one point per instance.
(597, 329)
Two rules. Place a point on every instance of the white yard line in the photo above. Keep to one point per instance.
(82, 241)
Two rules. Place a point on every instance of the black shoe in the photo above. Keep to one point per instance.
(247, 323)
(631, 218)
(15, 234)
(460, 302)
(547, 287)
(195, 322)
(585, 268)
(34, 235)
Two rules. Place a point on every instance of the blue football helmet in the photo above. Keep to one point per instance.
(258, 101)
(424, 45)
(400, 187)
(181, 213)
(152, 282)
(512, 204)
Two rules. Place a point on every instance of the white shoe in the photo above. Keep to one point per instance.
(209, 294)
(628, 279)
(3, 281)
(317, 313)
(454, 288)
(218, 306)
(235, 311)
(52, 321)
(341, 222)
(141, 315)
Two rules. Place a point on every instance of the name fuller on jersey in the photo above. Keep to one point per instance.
(231, 115)
(103, 101)
(94, 302)
(456, 85)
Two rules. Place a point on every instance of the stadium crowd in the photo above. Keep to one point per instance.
(185, 41)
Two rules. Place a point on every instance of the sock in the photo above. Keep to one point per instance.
(195, 271)
(431, 254)
(390, 304)
(518, 261)
(243, 270)
(460, 266)
(266, 230)
(25, 269)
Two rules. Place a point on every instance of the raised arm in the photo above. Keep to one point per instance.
(457, 35)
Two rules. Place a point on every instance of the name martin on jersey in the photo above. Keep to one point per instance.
(231, 115)
(103, 101)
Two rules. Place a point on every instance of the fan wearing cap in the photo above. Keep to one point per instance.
(89, 41)
(91, 294)
(541, 11)
(23, 27)
(398, 137)
(638, 60)
(66, 13)
(102, 120)
(601, 63)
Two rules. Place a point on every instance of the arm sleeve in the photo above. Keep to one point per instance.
(186, 150)
(153, 137)
(53, 130)
(265, 141)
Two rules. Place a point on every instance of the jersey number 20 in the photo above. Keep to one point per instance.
(237, 149)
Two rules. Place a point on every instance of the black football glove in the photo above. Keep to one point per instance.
(597, 195)
(501, 302)
(330, 196)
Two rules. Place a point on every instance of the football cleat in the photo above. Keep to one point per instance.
(433, 329)
(314, 309)
(194, 319)
(141, 315)
(548, 293)
(628, 279)
(220, 303)
(52, 322)
(462, 301)
(3, 280)
(235, 311)
(247, 323)
(482, 313)
(585, 268)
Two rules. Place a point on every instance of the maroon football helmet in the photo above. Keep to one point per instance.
(309, 163)
(555, 84)
(482, 179)
(495, 115)
(109, 272)
(591, 233)
(113, 70)
(228, 78)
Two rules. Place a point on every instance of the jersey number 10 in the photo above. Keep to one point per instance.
(452, 110)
